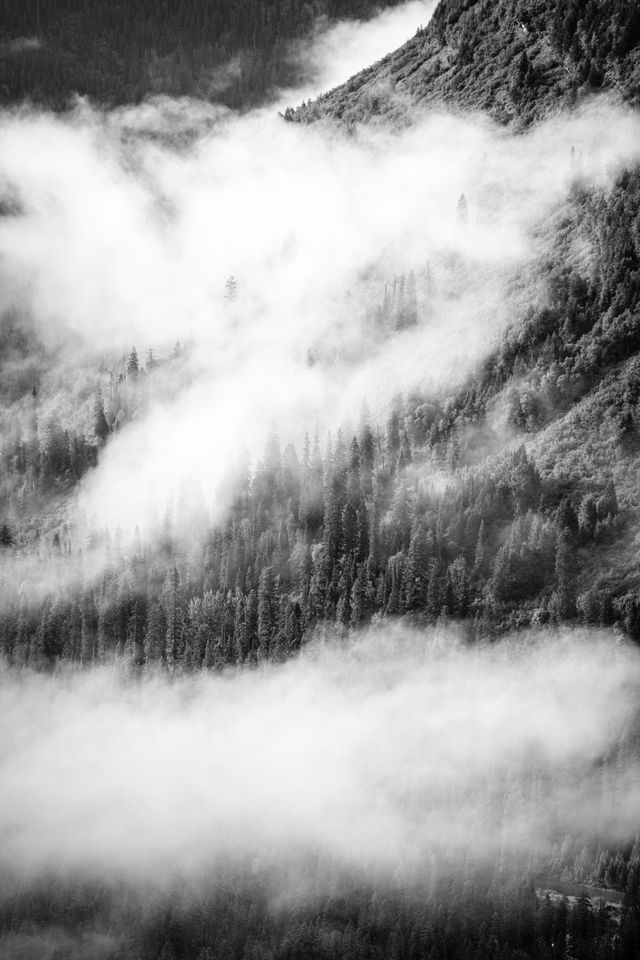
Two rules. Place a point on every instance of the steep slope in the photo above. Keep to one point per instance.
(565, 382)
(565, 379)
(515, 60)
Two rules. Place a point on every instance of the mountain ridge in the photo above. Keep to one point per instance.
(516, 61)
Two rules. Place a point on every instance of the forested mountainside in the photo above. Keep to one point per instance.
(517, 61)
(356, 526)
(507, 504)
(234, 52)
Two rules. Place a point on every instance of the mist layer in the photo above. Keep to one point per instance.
(379, 751)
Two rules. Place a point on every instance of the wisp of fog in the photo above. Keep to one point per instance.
(380, 751)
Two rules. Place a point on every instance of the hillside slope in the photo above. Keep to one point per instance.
(534, 512)
(565, 379)
(517, 61)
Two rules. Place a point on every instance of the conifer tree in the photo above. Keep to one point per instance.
(588, 515)
(395, 567)
(480, 552)
(240, 641)
(100, 424)
(231, 289)
(563, 600)
(566, 516)
(462, 212)
(458, 577)
(155, 637)
(433, 603)
(392, 441)
(267, 611)
(331, 523)
(607, 505)
(358, 596)
(133, 364)
(174, 613)
(502, 579)
(251, 625)
(319, 585)
(416, 574)
(348, 530)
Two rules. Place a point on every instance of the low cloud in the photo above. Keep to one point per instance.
(337, 53)
(378, 751)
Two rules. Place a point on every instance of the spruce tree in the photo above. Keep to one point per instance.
(173, 607)
(133, 364)
(563, 601)
(267, 611)
(100, 424)
(154, 640)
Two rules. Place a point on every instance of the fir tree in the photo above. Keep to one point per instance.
(100, 424)
(267, 611)
(133, 364)
(6, 536)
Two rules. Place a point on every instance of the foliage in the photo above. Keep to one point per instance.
(515, 59)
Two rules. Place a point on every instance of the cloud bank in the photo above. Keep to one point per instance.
(380, 752)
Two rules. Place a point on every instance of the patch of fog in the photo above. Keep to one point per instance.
(377, 751)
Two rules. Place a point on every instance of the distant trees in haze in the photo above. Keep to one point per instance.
(121, 51)
(133, 364)
(462, 211)
(100, 425)
(477, 907)
(231, 288)
(399, 307)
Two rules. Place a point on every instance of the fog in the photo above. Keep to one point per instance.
(379, 751)
(333, 55)
(375, 751)
(126, 226)
(313, 225)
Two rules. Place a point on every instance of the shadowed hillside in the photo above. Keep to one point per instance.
(517, 61)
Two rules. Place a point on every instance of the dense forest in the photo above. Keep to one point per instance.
(506, 503)
(236, 53)
(479, 913)
(353, 527)
(516, 61)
